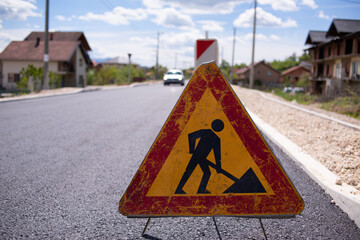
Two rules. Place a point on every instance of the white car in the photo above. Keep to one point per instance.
(174, 76)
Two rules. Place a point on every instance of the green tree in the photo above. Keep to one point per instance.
(283, 65)
(289, 62)
(123, 74)
(91, 76)
(54, 80)
(241, 65)
(33, 73)
(23, 83)
(106, 75)
(303, 81)
(305, 57)
(225, 68)
(113, 75)
(162, 70)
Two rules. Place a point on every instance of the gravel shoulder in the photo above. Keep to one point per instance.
(337, 147)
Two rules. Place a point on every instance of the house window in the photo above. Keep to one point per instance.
(269, 73)
(65, 67)
(327, 69)
(338, 71)
(354, 72)
(329, 51)
(349, 46)
(338, 49)
(321, 53)
(80, 62)
(358, 50)
(13, 77)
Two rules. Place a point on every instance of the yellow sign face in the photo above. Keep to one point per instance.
(235, 158)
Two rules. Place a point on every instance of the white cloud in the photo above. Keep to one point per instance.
(258, 36)
(322, 15)
(275, 37)
(147, 41)
(196, 6)
(8, 35)
(263, 19)
(17, 9)
(118, 16)
(309, 3)
(170, 17)
(175, 40)
(261, 37)
(62, 18)
(4, 40)
(214, 26)
(283, 5)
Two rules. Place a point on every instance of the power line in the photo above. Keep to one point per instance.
(107, 5)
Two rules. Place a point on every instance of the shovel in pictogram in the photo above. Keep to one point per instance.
(248, 183)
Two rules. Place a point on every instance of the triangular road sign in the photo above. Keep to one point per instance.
(209, 159)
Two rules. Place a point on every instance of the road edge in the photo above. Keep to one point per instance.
(342, 194)
(68, 92)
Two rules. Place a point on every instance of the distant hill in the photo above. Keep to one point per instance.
(99, 60)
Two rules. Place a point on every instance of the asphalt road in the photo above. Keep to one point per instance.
(65, 162)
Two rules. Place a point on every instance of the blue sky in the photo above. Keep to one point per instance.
(116, 28)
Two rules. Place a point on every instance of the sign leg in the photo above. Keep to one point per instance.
(217, 230)
(263, 229)
(146, 225)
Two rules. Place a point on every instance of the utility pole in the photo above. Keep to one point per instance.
(129, 54)
(232, 60)
(157, 58)
(251, 83)
(46, 48)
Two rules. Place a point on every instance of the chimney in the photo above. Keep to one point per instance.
(37, 42)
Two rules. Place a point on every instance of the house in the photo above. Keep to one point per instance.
(68, 57)
(335, 57)
(264, 74)
(294, 74)
(118, 62)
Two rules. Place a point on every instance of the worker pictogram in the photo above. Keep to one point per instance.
(210, 159)
(208, 141)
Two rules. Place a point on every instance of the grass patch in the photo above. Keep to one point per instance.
(298, 97)
(349, 106)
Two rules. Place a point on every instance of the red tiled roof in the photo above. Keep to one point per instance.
(293, 69)
(242, 70)
(60, 36)
(245, 69)
(28, 51)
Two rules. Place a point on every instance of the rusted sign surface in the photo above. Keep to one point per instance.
(209, 159)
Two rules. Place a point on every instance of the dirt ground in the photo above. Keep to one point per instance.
(336, 146)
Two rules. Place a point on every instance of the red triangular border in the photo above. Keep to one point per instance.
(286, 200)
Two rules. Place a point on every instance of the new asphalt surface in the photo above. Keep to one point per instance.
(65, 162)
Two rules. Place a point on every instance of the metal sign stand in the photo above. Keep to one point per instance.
(217, 230)
(216, 227)
(263, 229)
(146, 225)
